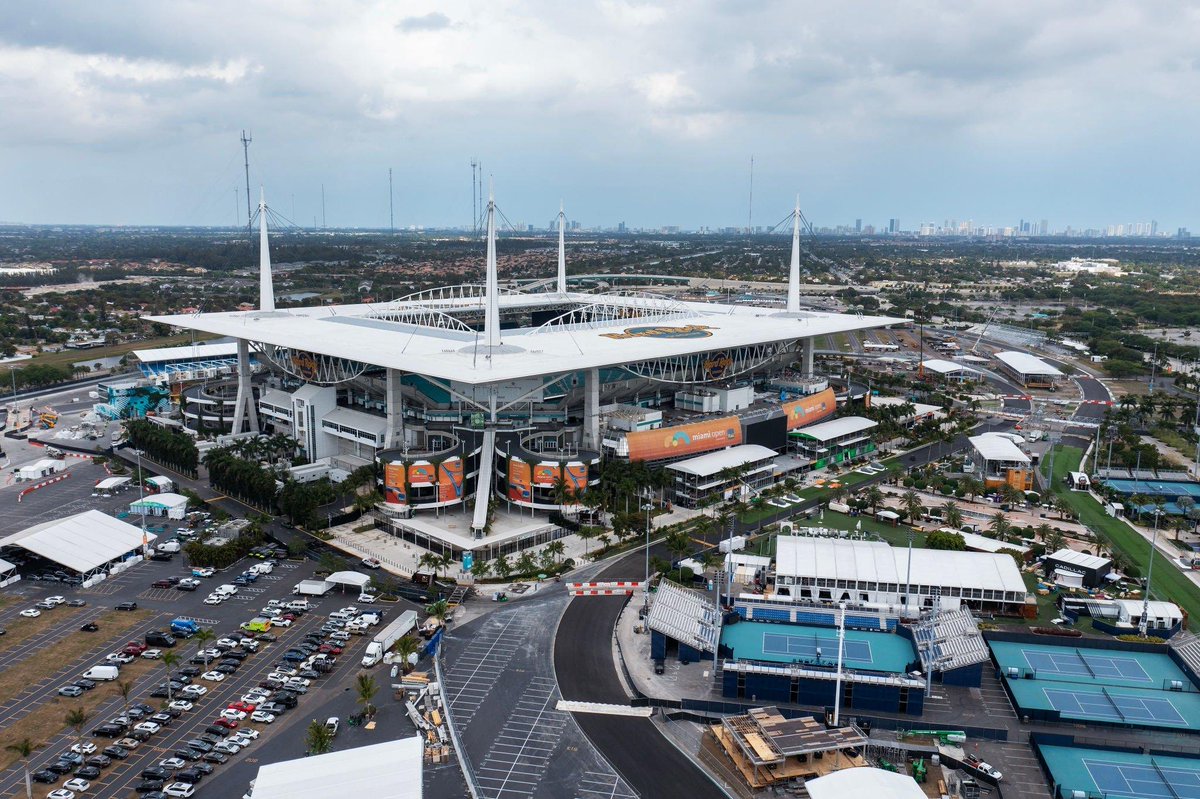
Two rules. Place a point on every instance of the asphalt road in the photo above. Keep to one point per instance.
(583, 663)
(330, 695)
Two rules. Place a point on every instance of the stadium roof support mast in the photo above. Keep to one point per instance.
(246, 160)
(562, 250)
(491, 317)
(266, 289)
(793, 295)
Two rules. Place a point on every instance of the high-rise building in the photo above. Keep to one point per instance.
(858, 226)
(620, 227)
(893, 226)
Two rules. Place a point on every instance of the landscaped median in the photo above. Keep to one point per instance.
(47, 718)
(1169, 582)
(22, 628)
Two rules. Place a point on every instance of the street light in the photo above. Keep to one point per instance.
(141, 497)
(1144, 622)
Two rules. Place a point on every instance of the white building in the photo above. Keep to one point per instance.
(999, 461)
(1028, 370)
(876, 573)
(950, 370)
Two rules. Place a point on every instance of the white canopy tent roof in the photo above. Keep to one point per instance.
(82, 542)
(714, 462)
(357, 579)
(109, 483)
(1026, 364)
(390, 770)
(863, 781)
(994, 447)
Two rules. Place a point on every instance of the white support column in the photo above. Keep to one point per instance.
(243, 407)
(808, 347)
(491, 317)
(562, 251)
(591, 409)
(793, 295)
(266, 290)
(394, 436)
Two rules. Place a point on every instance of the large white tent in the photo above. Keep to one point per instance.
(389, 770)
(173, 506)
(862, 781)
(356, 579)
(82, 543)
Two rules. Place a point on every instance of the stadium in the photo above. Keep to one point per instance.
(478, 394)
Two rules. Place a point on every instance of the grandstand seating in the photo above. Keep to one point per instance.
(949, 640)
(1187, 646)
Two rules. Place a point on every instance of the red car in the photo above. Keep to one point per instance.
(245, 707)
(329, 649)
(226, 723)
(134, 648)
(288, 616)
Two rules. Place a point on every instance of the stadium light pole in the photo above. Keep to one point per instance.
(646, 585)
(1144, 622)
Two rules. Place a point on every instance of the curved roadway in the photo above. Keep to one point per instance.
(583, 664)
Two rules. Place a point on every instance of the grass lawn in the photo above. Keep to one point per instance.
(22, 628)
(68, 357)
(1169, 582)
(896, 536)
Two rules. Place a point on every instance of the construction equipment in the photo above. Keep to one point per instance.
(920, 772)
(943, 736)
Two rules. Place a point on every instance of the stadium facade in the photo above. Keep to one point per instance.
(472, 394)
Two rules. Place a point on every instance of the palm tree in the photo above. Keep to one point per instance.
(971, 487)
(911, 502)
(405, 647)
(874, 498)
(481, 569)
(504, 567)
(679, 544)
(555, 549)
(203, 636)
(561, 489)
(23, 749)
(587, 532)
(1001, 527)
(952, 515)
(1061, 506)
(169, 661)
(76, 719)
(365, 688)
(438, 610)
(430, 561)
(1043, 532)
(525, 563)
(1054, 541)
(317, 738)
(125, 689)
(1012, 495)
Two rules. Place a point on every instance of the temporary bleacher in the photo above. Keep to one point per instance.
(949, 640)
(753, 607)
(689, 617)
(1187, 646)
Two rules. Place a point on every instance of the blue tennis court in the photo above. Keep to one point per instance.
(798, 643)
(812, 647)
(1085, 663)
(1121, 774)
(1108, 706)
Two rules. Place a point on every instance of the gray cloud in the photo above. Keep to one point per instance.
(433, 21)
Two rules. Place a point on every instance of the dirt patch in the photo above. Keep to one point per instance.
(49, 717)
(21, 629)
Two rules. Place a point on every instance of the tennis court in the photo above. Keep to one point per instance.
(1083, 664)
(1122, 775)
(813, 647)
(1139, 707)
(799, 643)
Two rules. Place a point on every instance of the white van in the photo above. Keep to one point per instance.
(226, 590)
(102, 673)
(169, 546)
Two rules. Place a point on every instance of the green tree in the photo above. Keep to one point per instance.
(438, 610)
(365, 689)
(75, 719)
(526, 563)
(504, 567)
(169, 661)
(1001, 527)
(911, 503)
(679, 544)
(203, 636)
(23, 749)
(317, 739)
(555, 550)
(939, 539)
(874, 498)
(125, 689)
(404, 648)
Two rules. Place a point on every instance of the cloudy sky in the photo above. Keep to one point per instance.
(129, 112)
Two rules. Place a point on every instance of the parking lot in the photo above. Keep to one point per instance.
(57, 630)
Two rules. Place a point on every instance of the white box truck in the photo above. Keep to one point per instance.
(389, 635)
(312, 588)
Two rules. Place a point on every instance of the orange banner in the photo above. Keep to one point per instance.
(544, 474)
(394, 490)
(518, 481)
(810, 409)
(422, 473)
(577, 477)
(450, 480)
(687, 439)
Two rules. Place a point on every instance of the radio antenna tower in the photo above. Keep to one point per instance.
(246, 158)
(323, 225)
(474, 200)
(750, 215)
(391, 205)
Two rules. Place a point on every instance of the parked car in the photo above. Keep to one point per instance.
(126, 606)
(70, 690)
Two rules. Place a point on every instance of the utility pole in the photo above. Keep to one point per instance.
(322, 206)
(246, 160)
(391, 205)
(1144, 622)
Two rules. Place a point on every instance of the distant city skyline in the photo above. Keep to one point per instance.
(641, 112)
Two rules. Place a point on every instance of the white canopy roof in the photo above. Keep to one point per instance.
(1026, 364)
(112, 482)
(189, 352)
(348, 578)
(944, 367)
(165, 500)
(390, 770)
(836, 428)
(995, 447)
(1079, 559)
(876, 561)
(714, 462)
(81, 542)
(857, 782)
(159, 480)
